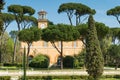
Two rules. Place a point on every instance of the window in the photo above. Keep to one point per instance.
(59, 44)
(45, 44)
(75, 44)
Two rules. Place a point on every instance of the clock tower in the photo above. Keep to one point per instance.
(42, 20)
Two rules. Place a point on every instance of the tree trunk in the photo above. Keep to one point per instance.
(24, 64)
(118, 19)
(76, 20)
(28, 50)
(69, 18)
(15, 44)
(0, 56)
(15, 49)
(61, 55)
(117, 64)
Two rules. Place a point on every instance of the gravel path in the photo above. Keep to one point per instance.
(54, 72)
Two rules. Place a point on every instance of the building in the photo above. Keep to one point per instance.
(41, 47)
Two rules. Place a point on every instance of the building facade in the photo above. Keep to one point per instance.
(42, 47)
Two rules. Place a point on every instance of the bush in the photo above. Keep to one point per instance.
(13, 64)
(79, 59)
(68, 62)
(4, 77)
(39, 61)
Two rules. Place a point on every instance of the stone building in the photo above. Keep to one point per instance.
(41, 47)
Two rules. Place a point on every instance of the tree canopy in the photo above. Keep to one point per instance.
(115, 34)
(76, 9)
(102, 30)
(114, 12)
(2, 3)
(114, 52)
(19, 13)
(60, 32)
(29, 36)
(7, 19)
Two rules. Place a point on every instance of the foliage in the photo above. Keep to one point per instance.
(50, 23)
(60, 32)
(102, 30)
(76, 9)
(11, 64)
(105, 44)
(82, 28)
(1, 26)
(114, 12)
(2, 3)
(114, 52)
(13, 34)
(114, 34)
(6, 48)
(94, 59)
(79, 59)
(77, 77)
(28, 21)
(40, 61)
(5, 77)
(7, 19)
(34, 35)
(20, 12)
(68, 62)
(33, 32)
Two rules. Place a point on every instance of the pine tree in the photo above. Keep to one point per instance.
(2, 3)
(94, 60)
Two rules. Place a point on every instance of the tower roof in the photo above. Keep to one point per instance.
(42, 12)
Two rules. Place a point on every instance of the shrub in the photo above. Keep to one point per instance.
(4, 77)
(68, 62)
(39, 61)
(67, 77)
(13, 64)
(79, 59)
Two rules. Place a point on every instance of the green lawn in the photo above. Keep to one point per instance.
(110, 79)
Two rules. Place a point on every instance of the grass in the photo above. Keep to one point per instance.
(109, 79)
(6, 67)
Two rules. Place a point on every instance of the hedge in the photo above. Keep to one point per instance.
(4, 77)
(76, 77)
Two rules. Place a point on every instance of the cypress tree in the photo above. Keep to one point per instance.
(94, 60)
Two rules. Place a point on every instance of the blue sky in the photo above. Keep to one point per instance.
(51, 6)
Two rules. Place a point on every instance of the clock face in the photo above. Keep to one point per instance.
(42, 26)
